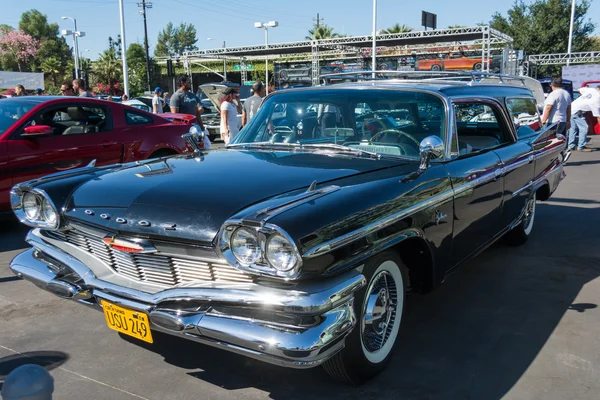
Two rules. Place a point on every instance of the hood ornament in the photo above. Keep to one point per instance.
(127, 246)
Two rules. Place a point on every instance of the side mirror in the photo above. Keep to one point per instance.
(38, 130)
(431, 147)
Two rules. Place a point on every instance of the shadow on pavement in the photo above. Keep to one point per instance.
(474, 337)
(46, 359)
(12, 235)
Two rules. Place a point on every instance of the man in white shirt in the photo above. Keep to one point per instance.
(557, 107)
(588, 101)
(157, 101)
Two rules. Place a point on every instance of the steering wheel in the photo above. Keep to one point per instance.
(397, 132)
(369, 120)
(281, 132)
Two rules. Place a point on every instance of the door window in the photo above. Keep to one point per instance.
(524, 114)
(477, 127)
(134, 118)
(73, 119)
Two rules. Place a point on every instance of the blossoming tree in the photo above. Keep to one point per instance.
(18, 45)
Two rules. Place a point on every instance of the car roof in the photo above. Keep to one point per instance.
(447, 88)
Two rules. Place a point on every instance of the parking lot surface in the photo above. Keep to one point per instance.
(515, 323)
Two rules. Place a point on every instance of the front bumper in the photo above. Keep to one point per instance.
(298, 327)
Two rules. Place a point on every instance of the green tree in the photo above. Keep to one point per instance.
(175, 40)
(398, 28)
(322, 32)
(52, 45)
(542, 26)
(53, 67)
(136, 62)
(107, 69)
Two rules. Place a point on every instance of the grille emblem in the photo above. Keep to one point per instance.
(127, 246)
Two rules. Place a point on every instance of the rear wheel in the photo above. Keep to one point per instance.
(378, 308)
(436, 67)
(477, 67)
(520, 233)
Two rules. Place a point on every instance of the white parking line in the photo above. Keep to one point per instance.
(79, 375)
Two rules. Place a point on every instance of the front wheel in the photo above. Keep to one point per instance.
(379, 308)
(520, 233)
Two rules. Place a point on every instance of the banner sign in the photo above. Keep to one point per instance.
(581, 73)
(30, 80)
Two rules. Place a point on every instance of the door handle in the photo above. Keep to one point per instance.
(531, 158)
(498, 173)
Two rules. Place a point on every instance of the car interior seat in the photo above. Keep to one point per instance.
(81, 117)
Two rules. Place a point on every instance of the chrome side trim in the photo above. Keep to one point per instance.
(382, 223)
(544, 153)
(518, 164)
(557, 168)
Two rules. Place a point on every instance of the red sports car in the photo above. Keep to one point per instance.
(40, 135)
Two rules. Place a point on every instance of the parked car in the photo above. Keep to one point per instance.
(547, 86)
(212, 119)
(138, 104)
(147, 100)
(454, 61)
(297, 243)
(40, 135)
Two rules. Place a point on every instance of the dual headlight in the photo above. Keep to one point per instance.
(266, 250)
(34, 208)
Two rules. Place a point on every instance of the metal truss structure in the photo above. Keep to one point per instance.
(535, 60)
(416, 42)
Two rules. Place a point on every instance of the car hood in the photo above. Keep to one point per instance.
(214, 92)
(189, 198)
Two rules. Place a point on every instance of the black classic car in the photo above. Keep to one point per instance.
(298, 242)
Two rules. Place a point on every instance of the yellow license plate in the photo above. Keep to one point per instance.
(129, 322)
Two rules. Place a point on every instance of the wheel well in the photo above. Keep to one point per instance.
(417, 258)
(162, 153)
(542, 193)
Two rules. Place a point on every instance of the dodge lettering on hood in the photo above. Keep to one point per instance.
(297, 243)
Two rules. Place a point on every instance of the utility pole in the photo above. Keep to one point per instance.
(318, 20)
(146, 4)
(123, 47)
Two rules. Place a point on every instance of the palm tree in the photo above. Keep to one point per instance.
(53, 67)
(107, 68)
(322, 32)
(398, 28)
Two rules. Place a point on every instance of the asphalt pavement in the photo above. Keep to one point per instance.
(515, 323)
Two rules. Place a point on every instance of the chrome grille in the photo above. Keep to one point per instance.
(154, 267)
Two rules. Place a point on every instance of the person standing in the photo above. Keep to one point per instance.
(588, 101)
(252, 104)
(66, 89)
(157, 101)
(39, 92)
(557, 107)
(124, 97)
(19, 91)
(79, 88)
(185, 102)
(229, 111)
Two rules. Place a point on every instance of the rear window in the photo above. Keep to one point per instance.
(133, 118)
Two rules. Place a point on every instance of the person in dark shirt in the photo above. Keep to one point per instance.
(183, 101)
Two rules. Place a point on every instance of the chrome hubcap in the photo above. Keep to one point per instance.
(380, 311)
(529, 213)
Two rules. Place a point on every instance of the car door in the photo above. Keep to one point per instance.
(518, 159)
(5, 178)
(81, 134)
(476, 173)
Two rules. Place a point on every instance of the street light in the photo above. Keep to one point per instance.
(571, 31)
(266, 26)
(224, 61)
(76, 34)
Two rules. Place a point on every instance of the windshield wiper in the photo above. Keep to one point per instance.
(338, 148)
(263, 145)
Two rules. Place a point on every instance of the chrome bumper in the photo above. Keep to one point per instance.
(297, 327)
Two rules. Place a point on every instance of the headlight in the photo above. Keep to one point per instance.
(195, 130)
(281, 253)
(32, 206)
(49, 213)
(245, 246)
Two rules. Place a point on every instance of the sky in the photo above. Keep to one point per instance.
(232, 21)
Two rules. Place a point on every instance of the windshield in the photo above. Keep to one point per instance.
(11, 111)
(391, 122)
